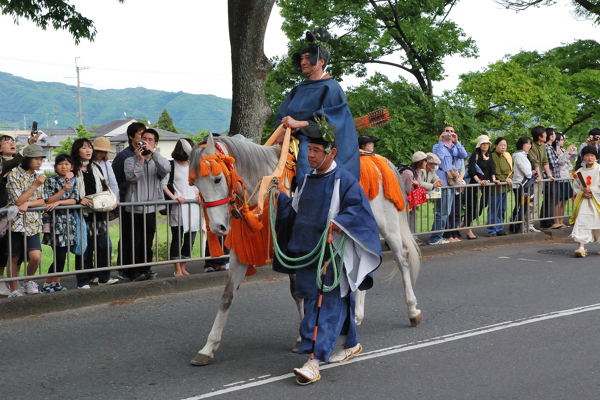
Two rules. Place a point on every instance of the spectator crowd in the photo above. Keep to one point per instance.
(459, 186)
(138, 174)
(476, 188)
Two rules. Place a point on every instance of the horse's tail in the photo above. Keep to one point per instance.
(414, 251)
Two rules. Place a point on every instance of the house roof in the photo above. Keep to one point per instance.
(113, 128)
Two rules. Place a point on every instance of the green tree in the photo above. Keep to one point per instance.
(165, 122)
(198, 136)
(559, 88)
(588, 9)
(417, 119)
(413, 35)
(59, 14)
(68, 142)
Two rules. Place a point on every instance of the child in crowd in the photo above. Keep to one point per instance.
(10, 159)
(60, 190)
(586, 210)
(25, 190)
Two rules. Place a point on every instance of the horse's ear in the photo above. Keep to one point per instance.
(210, 144)
(186, 146)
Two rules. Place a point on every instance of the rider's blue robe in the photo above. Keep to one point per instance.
(307, 99)
(333, 196)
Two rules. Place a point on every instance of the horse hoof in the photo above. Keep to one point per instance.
(201, 359)
(296, 347)
(416, 320)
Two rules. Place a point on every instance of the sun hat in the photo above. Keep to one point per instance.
(33, 150)
(102, 144)
(481, 140)
(419, 156)
(433, 159)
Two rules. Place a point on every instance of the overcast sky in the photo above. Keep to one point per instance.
(183, 45)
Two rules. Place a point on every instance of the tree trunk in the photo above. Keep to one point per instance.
(249, 65)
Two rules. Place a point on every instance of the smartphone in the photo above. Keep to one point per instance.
(34, 129)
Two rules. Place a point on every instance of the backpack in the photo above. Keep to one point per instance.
(169, 186)
(403, 167)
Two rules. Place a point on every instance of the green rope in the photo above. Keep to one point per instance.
(318, 253)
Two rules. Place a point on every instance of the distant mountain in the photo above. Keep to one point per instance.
(46, 102)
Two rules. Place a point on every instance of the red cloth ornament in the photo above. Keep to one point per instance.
(416, 197)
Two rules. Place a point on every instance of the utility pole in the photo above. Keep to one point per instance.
(77, 69)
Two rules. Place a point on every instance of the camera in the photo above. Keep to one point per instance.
(34, 129)
(596, 138)
(145, 152)
(448, 135)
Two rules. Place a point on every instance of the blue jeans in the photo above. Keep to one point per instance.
(443, 208)
(496, 212)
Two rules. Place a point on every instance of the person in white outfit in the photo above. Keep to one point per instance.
(586, 210)
(184, 219)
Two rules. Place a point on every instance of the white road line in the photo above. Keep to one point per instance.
(525, 259)
(409, 346)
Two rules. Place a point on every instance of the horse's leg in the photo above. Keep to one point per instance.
(359, 306)
(299, 305)
(237, 271)
(396, 233)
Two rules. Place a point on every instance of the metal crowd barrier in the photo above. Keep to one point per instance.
(471, 206)
(69, 268)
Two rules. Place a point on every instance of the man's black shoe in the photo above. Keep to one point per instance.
(139, 278)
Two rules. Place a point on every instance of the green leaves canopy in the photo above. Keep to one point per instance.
(559, 88)
(60, 14)
(412, 35)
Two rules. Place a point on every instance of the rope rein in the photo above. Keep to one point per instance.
(318, 253)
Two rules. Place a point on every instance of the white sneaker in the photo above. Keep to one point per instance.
(83, 287)
(111, 281)
(4, 290)
(16, 293)
(441, 241)
(31, 287)
(532, 229)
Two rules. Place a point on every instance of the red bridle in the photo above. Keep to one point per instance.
(231, 183)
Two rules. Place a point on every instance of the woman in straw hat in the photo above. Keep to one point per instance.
(482, 171)
(100, 157)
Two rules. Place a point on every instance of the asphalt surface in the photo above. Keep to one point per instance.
(166, 283)
(513, 321)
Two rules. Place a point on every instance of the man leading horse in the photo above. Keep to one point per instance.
(331, 199)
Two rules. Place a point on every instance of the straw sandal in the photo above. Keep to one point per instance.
(345, 354)
(580, 253)
(309, 373)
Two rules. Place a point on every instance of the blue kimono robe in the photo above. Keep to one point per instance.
(308, 98)
(332, 196)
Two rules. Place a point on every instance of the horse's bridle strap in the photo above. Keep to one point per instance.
(209, 204)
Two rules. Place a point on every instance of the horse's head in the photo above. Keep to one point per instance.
(208, 173)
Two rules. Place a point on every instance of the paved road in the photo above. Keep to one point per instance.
(499, 323)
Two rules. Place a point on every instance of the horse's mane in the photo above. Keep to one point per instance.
(252, 161)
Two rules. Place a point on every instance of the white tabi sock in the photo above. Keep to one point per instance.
(314, 361)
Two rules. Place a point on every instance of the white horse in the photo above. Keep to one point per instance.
(252, 162)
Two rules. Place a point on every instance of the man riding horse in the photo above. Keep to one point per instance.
(317, 95)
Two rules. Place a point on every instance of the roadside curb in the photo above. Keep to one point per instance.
(128, 292)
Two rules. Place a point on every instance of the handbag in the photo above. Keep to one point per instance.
(80, 240)
(452, 176)
(103, 201)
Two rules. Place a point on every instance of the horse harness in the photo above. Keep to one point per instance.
(222, 158)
